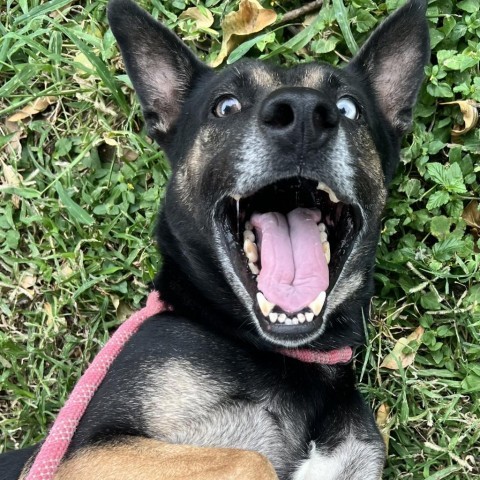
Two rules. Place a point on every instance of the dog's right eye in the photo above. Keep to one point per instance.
(227, 106)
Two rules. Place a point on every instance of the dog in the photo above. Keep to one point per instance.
(268, 233)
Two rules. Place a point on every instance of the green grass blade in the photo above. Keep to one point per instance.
(76, 212)
(342, 18)
(43, 9)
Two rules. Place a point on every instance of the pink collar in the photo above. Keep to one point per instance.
(56, 444)
(331, 357)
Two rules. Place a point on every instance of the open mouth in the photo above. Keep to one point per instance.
(290, 242)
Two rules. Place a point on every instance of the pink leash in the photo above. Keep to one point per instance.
(56, 444)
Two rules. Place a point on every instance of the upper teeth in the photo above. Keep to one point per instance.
(251, 250)
(333, 198)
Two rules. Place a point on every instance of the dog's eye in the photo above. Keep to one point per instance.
(227, 106)
(348, 108)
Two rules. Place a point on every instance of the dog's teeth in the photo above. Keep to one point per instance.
(236, 197)
(301, 317)
(317, 305)
(323, 237)
(326, 251)
(294, 321)
(288, 321)
(333, 198)
(322, 227)
(265, 306)
(281, 318)
(309, 316)
(250, 250)
(253, 268)
(249, 235)
(248, 226)
(273, 317)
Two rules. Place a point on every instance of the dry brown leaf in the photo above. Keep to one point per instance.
(382, 422)
(250, 18)
(471, 214)
(469, 110)
(404, 351)
(38, 106)
(28, 281)
(202, 17)
(11, 178)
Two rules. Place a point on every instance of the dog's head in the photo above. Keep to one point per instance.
(279, 175)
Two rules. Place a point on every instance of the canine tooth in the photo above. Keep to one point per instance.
(248, 226)
(323, 237)
(333, 198)
(265, 306)
(281, 318)
(309, 316)
(326, 251)
(236, 197)
(294, 321)
(250, 250)
(288, 321)
(249, 235)
(322, 227)
(301, 317)
(253, 268)
(273, 317)
(317, 305)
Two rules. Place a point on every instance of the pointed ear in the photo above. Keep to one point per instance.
(393, 60)
(160, 66)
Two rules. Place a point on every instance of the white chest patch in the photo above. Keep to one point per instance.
(351, 460)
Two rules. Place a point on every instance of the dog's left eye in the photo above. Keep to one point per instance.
(348, 108)
(227, 106)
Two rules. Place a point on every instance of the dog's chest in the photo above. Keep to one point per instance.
(181, 405)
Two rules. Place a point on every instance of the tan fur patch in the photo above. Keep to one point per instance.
(149, 459)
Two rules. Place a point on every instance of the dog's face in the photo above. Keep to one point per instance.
(279, 175)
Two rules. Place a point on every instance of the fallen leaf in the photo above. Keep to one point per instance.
(383, 424)
(404, 351)
(38, 106)
(250, 18)
(469, 110)
(202, 17)
(27, 281)
(14, 146)
(11, 179)
(471, 215)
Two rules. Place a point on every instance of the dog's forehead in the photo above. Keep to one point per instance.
(258, 74)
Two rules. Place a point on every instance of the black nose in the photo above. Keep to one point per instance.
(302, 112)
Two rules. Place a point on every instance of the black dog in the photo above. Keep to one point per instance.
(268, 233)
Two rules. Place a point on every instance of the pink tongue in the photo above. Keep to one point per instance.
(294, 269)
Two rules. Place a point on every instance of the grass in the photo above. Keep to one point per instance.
(81, 184)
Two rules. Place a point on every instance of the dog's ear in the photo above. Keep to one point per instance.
(392, 61)
(162, 69)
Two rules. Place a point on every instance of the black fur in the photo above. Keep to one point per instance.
(231, 387)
